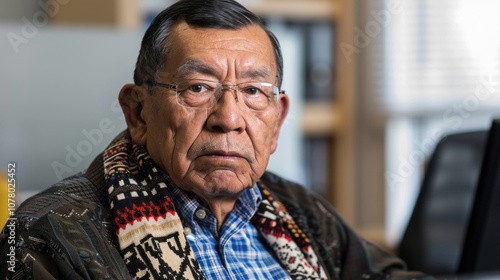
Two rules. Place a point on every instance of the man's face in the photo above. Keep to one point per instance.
(219, 151)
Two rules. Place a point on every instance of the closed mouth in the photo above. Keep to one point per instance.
(225, 155)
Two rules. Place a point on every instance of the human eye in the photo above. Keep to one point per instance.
(253, 89)
(257, 95)
(196, 93)
(198, 87)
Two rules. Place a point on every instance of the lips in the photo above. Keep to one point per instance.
(221, 153)
(221, 150)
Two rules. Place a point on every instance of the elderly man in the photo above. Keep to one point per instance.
(183, 192)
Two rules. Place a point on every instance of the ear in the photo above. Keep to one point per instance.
(283, 111)
(132, 98)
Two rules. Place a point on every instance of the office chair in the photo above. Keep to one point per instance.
(481, 251)
(436, 231)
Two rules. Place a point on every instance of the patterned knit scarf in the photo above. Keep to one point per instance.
(150, 232)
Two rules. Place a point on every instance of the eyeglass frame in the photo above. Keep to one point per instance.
(230, 87)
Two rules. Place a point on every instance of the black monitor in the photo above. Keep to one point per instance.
(481, 253)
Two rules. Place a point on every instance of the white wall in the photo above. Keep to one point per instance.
(58, 85)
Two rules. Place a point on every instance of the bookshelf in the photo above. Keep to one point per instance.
(333, 119)
(125, 14)
(294, 9)
(320, 118)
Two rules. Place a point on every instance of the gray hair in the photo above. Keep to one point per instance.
(221, 14)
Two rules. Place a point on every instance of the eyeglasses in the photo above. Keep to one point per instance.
(203, 94)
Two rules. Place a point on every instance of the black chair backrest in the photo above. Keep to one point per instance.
(436, 231)
(481, 252)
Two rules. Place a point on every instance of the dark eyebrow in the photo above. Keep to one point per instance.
(195, 66)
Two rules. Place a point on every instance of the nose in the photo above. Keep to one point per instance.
(231, 88)
(227, 115)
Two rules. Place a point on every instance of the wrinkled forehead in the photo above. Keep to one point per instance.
(212, 51)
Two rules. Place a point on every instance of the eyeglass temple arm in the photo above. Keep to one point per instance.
(162, 85)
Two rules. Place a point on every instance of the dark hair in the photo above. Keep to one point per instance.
(222, 14)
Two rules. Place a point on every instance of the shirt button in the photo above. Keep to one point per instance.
(187, 231)
(200, 214)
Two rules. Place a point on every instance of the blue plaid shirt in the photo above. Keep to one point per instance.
(238, 251)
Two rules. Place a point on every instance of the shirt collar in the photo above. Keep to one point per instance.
(186, 203)
(248, 202)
